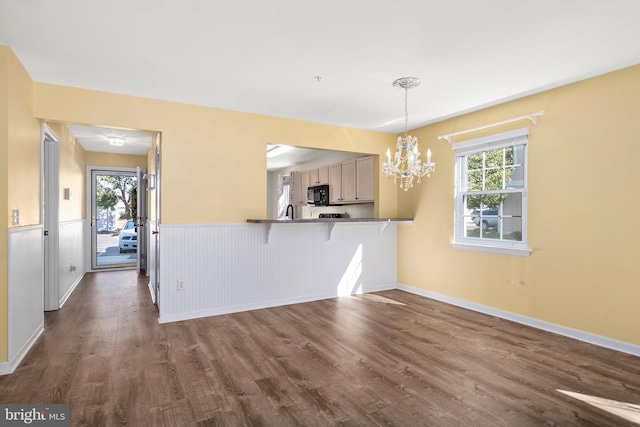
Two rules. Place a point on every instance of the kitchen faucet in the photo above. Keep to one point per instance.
(290, 206)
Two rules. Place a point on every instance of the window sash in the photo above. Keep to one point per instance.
(508, 139)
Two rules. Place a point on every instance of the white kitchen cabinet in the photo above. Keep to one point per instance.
(300, 185)
(349, 181)
(352, 181)
(319, 176)
(323, 175)
(365, 189)
(335, 184)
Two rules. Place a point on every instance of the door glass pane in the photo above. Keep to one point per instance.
(116, 210)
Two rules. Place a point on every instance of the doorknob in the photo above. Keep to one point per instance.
(155, 232)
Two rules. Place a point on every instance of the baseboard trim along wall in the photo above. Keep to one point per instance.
(9, 367)
(261, 305)
(598, 340)
(71, 237)
(72, 288)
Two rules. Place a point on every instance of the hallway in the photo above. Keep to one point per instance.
(389, 358)
(93, 354)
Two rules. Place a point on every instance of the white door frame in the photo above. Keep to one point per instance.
(154, 230)
(50, 216)
(141, 221)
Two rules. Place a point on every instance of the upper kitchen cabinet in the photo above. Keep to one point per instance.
(365, 189)
(352, 181)
(300, 185)
(335, 184)
(349, 181)
(319, 176)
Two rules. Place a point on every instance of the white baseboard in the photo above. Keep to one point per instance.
(153, 297)
(263, 304)
(598, 340)
(9, 366)
(67, 294)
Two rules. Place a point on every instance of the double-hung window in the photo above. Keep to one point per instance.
(491, 194)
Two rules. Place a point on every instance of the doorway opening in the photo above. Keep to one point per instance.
(118, 213)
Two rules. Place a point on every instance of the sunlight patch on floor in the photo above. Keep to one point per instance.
(384, 300)
(628, 411)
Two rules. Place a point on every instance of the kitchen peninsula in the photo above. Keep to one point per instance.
(316, 220)
(264, 263)
(331, 223)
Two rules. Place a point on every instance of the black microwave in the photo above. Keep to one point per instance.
(318, 195)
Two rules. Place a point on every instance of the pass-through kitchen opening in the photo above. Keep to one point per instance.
(304, 183)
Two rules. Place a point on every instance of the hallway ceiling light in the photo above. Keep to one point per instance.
(116, 141)
(407, 165)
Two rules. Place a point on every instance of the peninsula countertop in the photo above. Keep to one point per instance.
(317, 220)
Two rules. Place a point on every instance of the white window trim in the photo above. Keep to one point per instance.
(464, 148)
(497, 249)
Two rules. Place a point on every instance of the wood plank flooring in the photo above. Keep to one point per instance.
(385, 359)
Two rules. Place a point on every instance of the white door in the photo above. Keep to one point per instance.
(50, 194)
(154, 230)
(113, 226)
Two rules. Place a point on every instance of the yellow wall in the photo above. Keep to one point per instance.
(214, 163)
(71, 173)
(19, 164)
(24, 147)
(4, 197)
(92, 158)
(584, 170)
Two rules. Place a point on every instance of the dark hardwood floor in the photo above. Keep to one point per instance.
(385, 359)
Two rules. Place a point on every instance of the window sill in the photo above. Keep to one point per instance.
(503, 250)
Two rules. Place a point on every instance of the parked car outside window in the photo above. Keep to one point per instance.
(489, 218)
(128, 237)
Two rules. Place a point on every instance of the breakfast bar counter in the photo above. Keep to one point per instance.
(316, 220)
(330, 223)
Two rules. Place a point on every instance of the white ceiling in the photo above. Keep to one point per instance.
(293, 156)
(93, 138)
(262, 56)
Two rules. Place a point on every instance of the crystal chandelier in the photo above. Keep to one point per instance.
(407, 164)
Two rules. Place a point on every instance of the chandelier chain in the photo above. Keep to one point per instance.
(406, 111)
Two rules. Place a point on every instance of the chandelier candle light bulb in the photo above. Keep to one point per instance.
(407, 165)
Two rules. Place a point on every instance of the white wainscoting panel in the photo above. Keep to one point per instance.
(26, 299)
(71, 243)
(226, 268)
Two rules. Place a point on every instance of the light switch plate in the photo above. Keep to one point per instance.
(16, 217)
